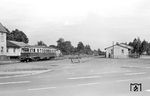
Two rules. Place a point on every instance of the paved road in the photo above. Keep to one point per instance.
(91, 77)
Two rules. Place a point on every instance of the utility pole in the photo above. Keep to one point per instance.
(113, 49)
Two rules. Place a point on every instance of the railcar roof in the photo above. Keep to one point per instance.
(36, 46)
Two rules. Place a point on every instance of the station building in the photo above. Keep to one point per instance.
(3, 46)
(118, 51)
(12, 49)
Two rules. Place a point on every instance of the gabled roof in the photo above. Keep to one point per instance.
(2, 29)
(15, 44)
(121, 45)
(125, 46)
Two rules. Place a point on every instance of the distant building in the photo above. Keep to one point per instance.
(14, 48)
(3, 33)
(118, 51)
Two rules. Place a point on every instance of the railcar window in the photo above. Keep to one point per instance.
(14, 50)
(33, 50)
(25, 49)
(38, 50)
(30, 50)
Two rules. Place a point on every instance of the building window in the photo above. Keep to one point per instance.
(14, 50)
(2, 37)
(30, 50)
(33, 50)
(112, 51)
(2, 49)
(122, 51)
(25, 49)
(38, 50)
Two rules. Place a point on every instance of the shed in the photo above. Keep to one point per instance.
(118, 51)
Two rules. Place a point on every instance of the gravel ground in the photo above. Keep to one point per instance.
(94, 64)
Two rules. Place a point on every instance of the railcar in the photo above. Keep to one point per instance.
(36, 53)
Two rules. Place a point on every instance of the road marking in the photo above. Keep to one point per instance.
(45, 88)
(123, 80)
(89, 84)
(85, 77)
(18, 82)
(148, 90)
(16, 76)
(84, 84)
(26, 74)
(135, 73)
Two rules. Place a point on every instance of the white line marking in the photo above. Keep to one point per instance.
(85, 77)
(45, 88)
(18, 82)
(135, 73)
(123, 80)
(16, 76)
(26, 74)
(89, 84)
(84, 84)
(148, 90)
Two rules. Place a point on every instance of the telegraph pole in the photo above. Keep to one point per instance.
(113, 49)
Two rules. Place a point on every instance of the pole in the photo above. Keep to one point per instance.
(113, 49)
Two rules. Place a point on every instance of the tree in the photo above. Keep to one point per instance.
(143, 47)
(99, 52)
(148, 49)
(60, 44)
(41, 43)
(136, 44)
(88, 50)
(68, 47)
(60, 41)
(17, 35)
(80, 47)
(65, 46)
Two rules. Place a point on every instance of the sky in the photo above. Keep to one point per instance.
(94, 22)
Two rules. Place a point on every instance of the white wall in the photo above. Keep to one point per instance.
(3, 43)
(117, 52)
(12, 53)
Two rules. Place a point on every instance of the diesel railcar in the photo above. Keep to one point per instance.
(35, 53)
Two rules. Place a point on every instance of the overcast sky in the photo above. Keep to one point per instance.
(95, 22)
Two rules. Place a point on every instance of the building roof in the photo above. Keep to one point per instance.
(15, 44)
(37, 46)
(121, 45)
(2, 29)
